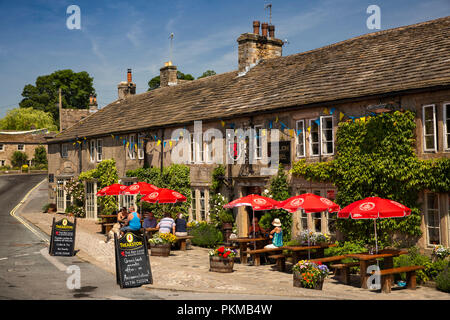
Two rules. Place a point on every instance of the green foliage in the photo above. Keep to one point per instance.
(75, 87)
(218, 175)
(345, 247)
(76, 189)
(106, 174)
(40, 156)
(278, 190)
(28, 119)
(207, 73)
(205, 235)
(377, 158)
(19, 158)
(217, 213)
(414, 258)
(154, 83)
(175, 177)
(182, 76)
(443, 280)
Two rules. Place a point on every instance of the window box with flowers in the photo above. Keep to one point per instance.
(221, 260)
(314, 238)
(440, 252)
(160, 244)
(309, 275)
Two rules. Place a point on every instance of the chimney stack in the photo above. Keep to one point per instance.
(253, 47)
(256, 27)
(93, 106)
(168, 75)
(127, 88)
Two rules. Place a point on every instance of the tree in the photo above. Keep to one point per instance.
(207, 73)
(19, 158)
(182, 76)
(75, 86)
(40, 156)
(27, 119)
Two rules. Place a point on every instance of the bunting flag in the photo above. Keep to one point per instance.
(124, 141)
(263, 132)
(326, 111)
(170, 143)
(309, 129)
(332, 110)
(270, 124)
(276, 119)
(164, 144)
(135, 146)
(112, 136)
(159, 142)
(341, 115)
(317, 121)
(127, 144)
(299, 131)
(223, 123)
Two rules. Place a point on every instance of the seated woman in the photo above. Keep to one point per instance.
(122, 216)
(276, 235)
(180, 226)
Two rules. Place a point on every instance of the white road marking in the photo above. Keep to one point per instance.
(60, 266)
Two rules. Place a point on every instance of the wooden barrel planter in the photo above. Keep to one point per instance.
(298, 283)
(161, 250)
(220, 264)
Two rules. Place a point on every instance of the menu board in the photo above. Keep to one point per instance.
(62, 239)
(132, 261)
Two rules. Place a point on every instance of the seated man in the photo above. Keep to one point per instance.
(149, 221)
(133, 222)
(167, 224)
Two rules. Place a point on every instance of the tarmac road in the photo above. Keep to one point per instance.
(27, 272)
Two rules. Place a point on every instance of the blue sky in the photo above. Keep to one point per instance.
(116, 35)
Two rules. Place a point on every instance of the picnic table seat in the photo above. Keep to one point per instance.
(106, 226)
(280, 261)
(182, 241)
(257, 253)
(340, 269)
(387, 277)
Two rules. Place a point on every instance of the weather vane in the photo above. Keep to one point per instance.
(269, 6)
(171, 46)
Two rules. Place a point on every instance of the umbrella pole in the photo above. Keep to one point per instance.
(253, 223)
(376, 240)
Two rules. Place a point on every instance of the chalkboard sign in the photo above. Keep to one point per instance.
(132, 261)
(62, 239)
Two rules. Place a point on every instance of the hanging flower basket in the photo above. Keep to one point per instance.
(309, 275)
(221, 260)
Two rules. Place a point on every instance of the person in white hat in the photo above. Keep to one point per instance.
(276, 235)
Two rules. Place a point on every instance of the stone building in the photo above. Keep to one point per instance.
(303, 95)
(23, 141)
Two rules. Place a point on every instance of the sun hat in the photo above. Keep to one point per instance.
(276, 222)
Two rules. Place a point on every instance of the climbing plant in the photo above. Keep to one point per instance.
(376, 157)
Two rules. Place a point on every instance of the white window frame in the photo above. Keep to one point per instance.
(23, 147)
(131, 150)
(99, 150)
(427, 218)
(425, 149)
(311, 122)
(192, 148)
(141, 148)
(92, 150)
(64, 150)
(322, 136)
(258, 142)
(446, 128)
(297, 139)
(209, 148)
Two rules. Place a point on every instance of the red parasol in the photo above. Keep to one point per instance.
(163, 195)
(142, 188)
(112, 190)
(255, 201)
(373, 208)
(309, 202)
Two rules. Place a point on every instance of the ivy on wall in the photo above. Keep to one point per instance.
(376, 157)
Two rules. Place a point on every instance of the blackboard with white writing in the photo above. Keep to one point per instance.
(62, 239)
(132, 261)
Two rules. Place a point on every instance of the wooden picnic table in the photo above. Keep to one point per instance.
(297, 251)
(243, 245)
(366, 259)
(107, 221)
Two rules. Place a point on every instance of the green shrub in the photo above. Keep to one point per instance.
(205, 235)
(19, 158)
(346, 247)
(443, 280)
(433, 269)
(413, 258)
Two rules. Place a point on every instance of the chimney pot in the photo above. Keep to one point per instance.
(129, 76)
(271, 31)
(264, 28)
(256, 25)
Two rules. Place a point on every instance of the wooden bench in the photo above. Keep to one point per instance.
(387, 277)
(182, 241)
(106, 226)
(280, 261)
(257, 253)
(341, 269)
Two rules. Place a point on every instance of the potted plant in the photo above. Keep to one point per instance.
(309, 275)
(440, 252)
(160, 244)
(221, 260)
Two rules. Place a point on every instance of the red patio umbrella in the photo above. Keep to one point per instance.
(163, 195)
(112, 190)
(310, 203)
(257, 202)
(142, 188)
(373, 208)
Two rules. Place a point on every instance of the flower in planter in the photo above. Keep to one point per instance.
(441, 252)
(223, 252)
(314, 237)
(163, 238)
(311, 273)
